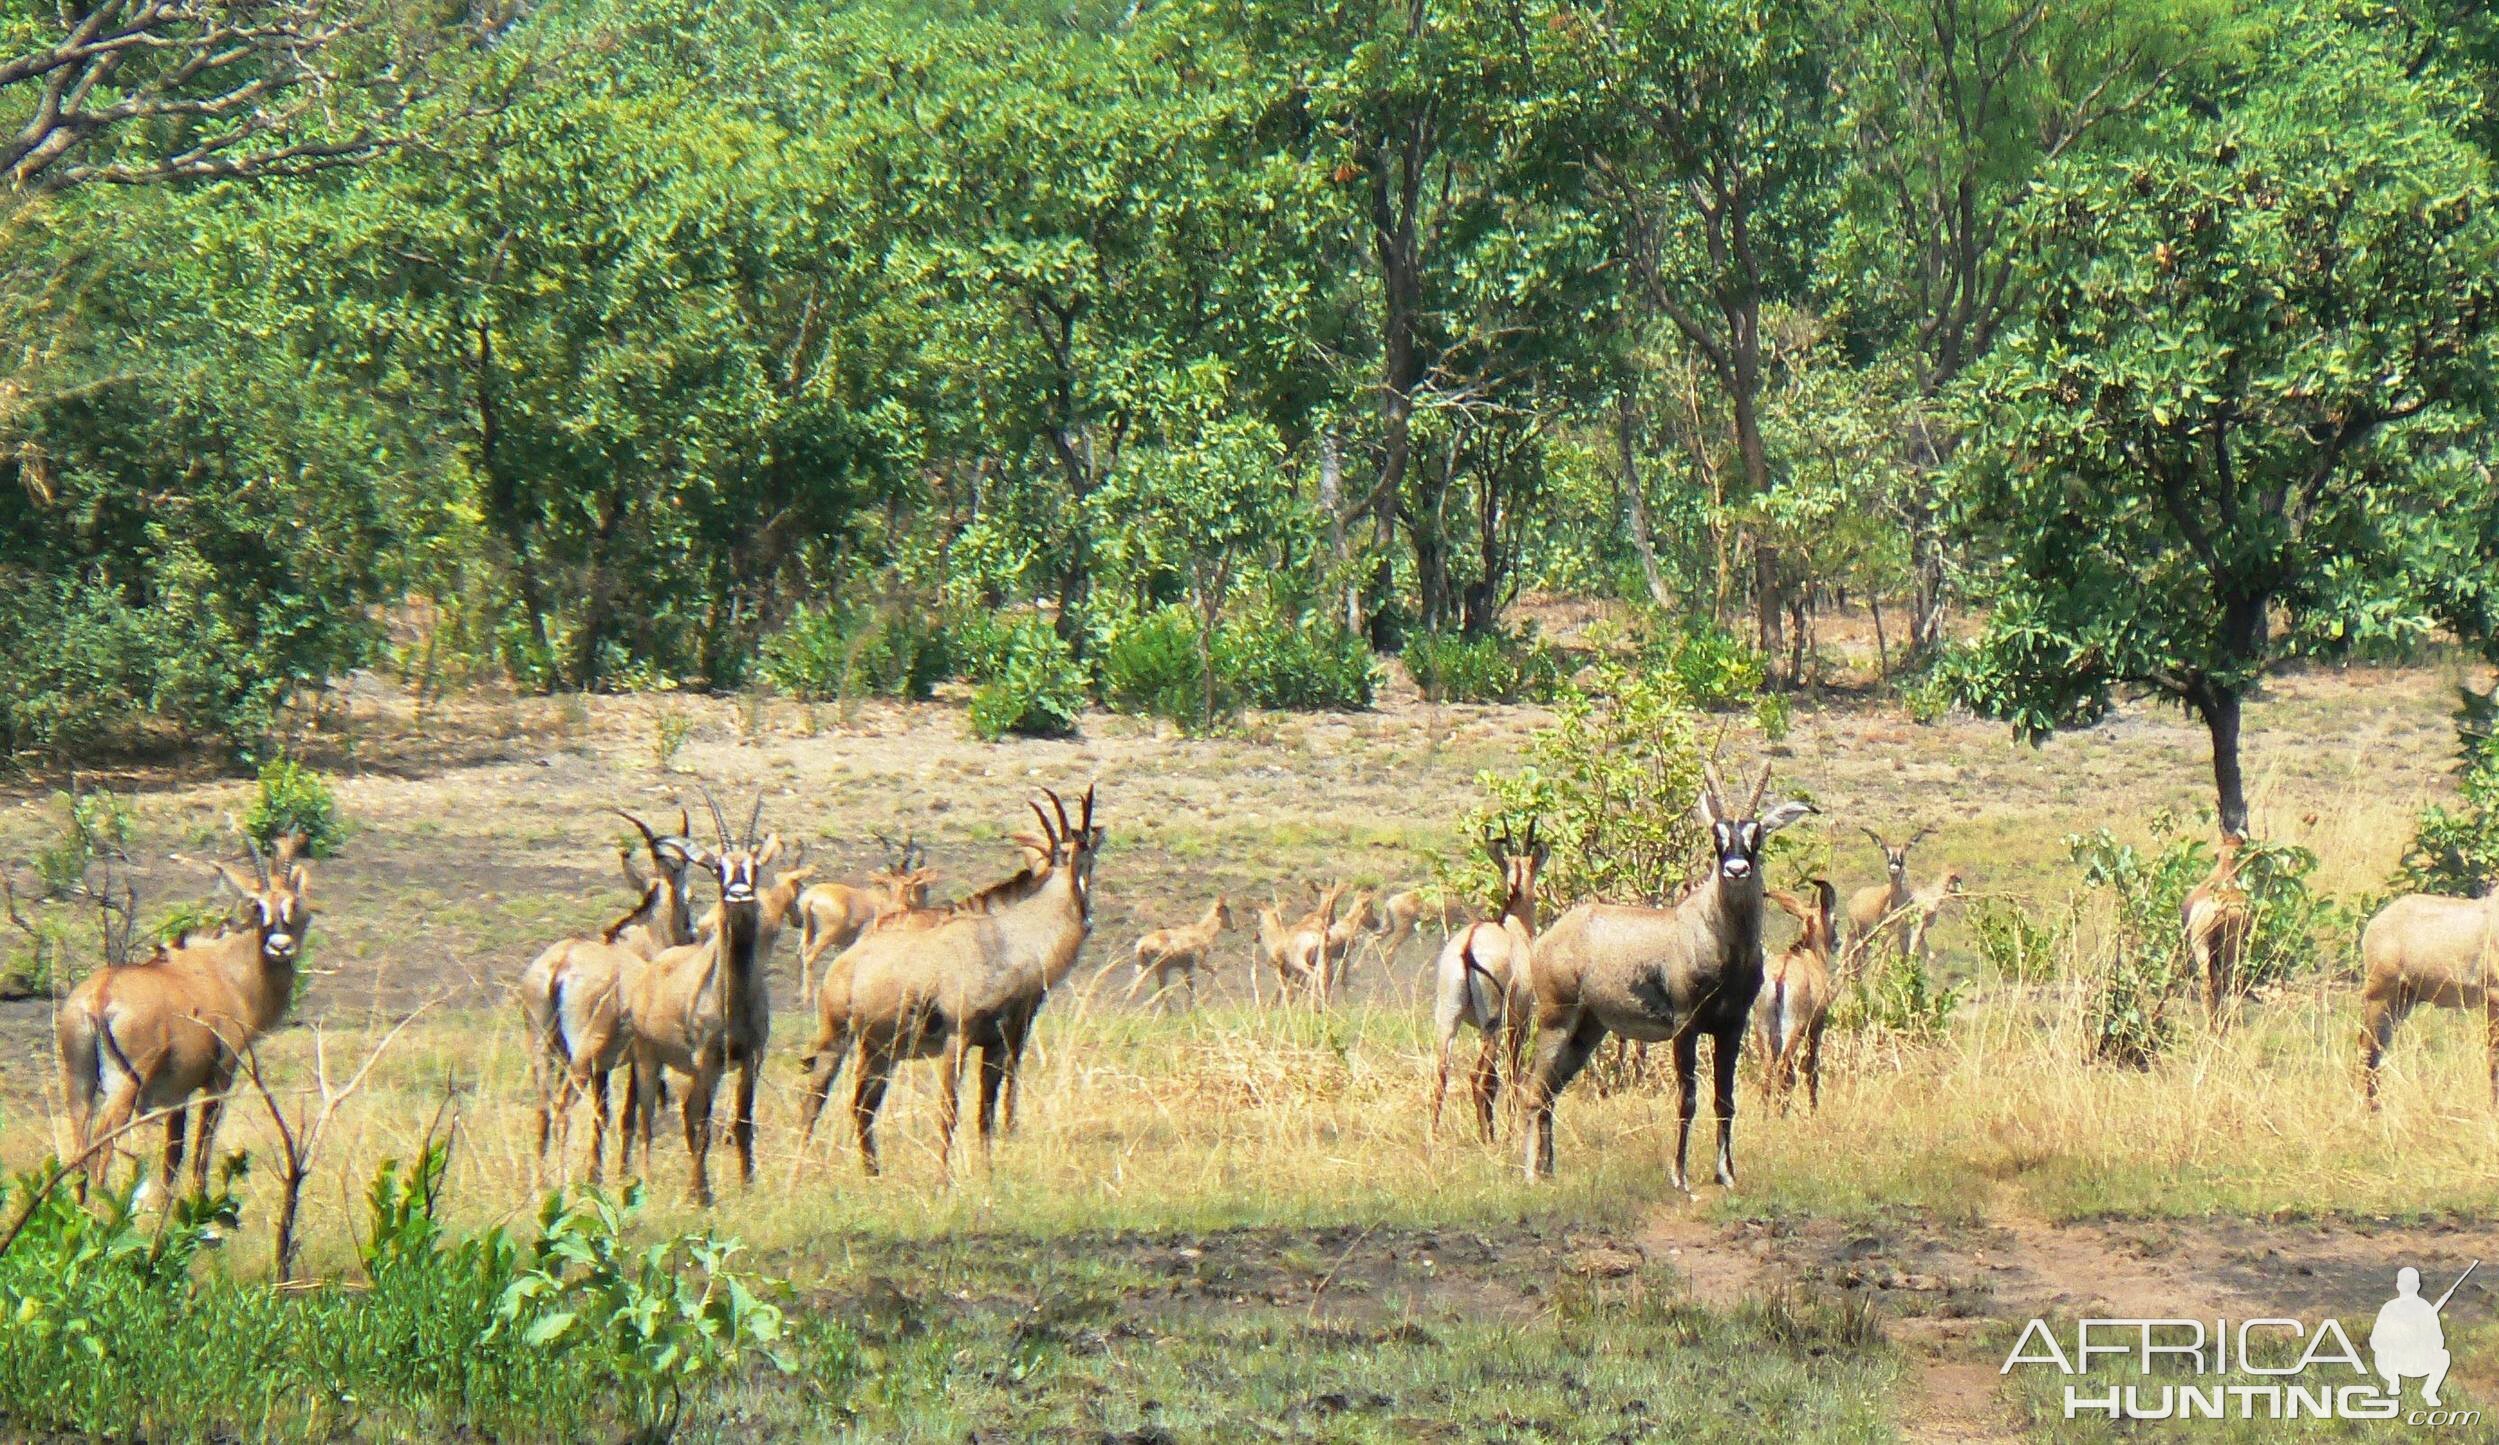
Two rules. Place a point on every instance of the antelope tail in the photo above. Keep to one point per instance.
(557, 1043)
(82, 1063)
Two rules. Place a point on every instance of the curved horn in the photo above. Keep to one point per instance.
(1065, 827)
(1873, 837)
(1917, 838)
(1087, 822)
(755, 819)
(1761, 788)
(1047, 836)
(650, 839)
(1716, 790)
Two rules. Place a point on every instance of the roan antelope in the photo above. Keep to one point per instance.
(1659, 973)
(138, 1038)
(1344, 935)
(2219, 919)
(975, 981)
(1796, 997)
(2419, 949)
(1169, 953)
(1883, 906)
(1480, 981)
(703, 1008)
(572, 995)
(1298, 950)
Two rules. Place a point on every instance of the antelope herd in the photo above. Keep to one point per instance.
(672, 990)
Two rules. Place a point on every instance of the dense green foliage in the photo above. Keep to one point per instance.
(2456, 848)
(121, 1325)
(625, 343)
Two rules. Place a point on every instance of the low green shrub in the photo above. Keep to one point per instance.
(295, 799)
(825, 654)
(2455, 848)
(1300, 664)
(1038, 690)
(1484, 669)
(95, 824)
(1713, 667)
(1151, 666)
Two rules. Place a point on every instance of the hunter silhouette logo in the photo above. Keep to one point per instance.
(2272, 1367)
(2408, 1342)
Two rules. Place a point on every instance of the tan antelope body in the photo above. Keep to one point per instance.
(1298, 950)
(831, 916)
(703, 1009)
(1652, 974)
(1402, 912)
(1481, 982)
(1169, 953)
(1885, 906)
(2219, 919)
(1344, 934)
(134, 1039)
(2423, 948)
(572, 995)
(974, 981)
(1796, 994)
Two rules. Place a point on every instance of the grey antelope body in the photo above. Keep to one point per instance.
(1796, 997)
(702, 1009)
(1886, 906)
(2426, 949)
(1480, 981)
(1653, 974)
(1169, 953)
(572, 995)
(974, 981)
(2219, 918)
(137, 1038)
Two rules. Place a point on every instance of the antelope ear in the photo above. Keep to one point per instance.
(299, 878)
(1707, 809)
(238, 880)
(1784, 814)
(770, 851)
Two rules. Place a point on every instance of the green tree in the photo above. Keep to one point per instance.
(2221, 435)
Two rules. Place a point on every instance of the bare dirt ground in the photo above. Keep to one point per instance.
(1955, 1294)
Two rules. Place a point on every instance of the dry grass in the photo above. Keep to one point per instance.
(480, 839)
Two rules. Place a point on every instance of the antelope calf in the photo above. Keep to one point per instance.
(1652, 974)
(2424, 948)
(1480, 981)
(1885, 905)
(1796, 998)
(1298, 950)
(1403, 911)
(2219, 918)
(1169, 953)
(1346, 934)
(137, 1038)
(831, 916)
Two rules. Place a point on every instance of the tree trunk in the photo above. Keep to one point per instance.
(1769, 596)
(1332, 502)
(1626, 427)
(2220, 707)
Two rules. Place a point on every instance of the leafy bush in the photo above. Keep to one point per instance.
(95, 824)
(1484, 669)
(2015, 945)
(1900, 996)
(119, 1327)
(1038, 692)
(1298, 665)
(1712, 667)
(825, 654)
(295, 799)
(1775, 715)
(2148, 965)
(2456, 849)
(1151, 666)
(655, 1320)
(1610, 786)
